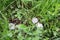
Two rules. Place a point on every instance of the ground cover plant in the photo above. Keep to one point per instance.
(29, 19)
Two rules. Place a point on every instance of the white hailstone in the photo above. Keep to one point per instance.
(39, 25)
(11, 26)
(34, 20)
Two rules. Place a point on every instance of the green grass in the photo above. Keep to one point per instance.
(47, 12)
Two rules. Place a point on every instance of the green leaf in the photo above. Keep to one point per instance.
(21, 26)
